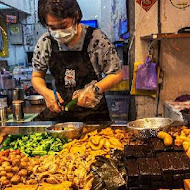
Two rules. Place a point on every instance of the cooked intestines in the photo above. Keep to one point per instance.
(168, 140)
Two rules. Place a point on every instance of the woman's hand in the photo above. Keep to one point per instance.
(51, 101)
(87, 97)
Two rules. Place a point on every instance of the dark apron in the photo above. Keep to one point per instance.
(72, 70)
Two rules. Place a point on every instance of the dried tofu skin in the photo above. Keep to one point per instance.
(63, 186)
(22, 187)
(43, 186)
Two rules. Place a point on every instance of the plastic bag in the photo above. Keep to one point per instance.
(134, 91)
(147, 76)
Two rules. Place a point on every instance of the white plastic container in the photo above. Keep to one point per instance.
(3, 101)
(7, 80)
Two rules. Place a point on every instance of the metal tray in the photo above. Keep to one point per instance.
(24, 128)
(40, 126)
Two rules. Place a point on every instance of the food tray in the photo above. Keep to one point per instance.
(25, 128)
(14, 128)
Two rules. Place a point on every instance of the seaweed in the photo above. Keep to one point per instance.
(117, 155)
(97, 183)
(107, 175)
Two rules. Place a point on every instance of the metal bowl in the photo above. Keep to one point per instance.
(36, 99)
(149, 127)
(68, 130)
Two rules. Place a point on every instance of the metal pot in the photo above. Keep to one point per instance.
(36, 99)
(3, 114)
(149, 127)
(17, 108)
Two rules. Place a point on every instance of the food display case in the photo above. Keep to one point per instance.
(104, 156)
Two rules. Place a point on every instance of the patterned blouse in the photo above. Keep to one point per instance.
(102, 53)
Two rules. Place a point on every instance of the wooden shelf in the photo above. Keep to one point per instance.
(164, 36)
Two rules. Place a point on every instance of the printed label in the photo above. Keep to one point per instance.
(70, 78)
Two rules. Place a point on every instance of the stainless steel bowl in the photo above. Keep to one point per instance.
(68, 130)
(149, 127)
(36, 99)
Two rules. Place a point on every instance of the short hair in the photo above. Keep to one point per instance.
(59, 8)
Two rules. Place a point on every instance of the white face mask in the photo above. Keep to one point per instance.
(64, 35)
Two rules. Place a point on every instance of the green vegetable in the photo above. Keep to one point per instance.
(71, 104)
(34, 144)
(7, 141)
(11, 138)
(40, 153)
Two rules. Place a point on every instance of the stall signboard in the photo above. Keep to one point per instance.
(146, 4)
(11, 19)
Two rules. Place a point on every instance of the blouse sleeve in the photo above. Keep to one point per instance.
(42, 53)
(103, 54)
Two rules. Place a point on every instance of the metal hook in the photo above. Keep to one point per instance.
(150, 47)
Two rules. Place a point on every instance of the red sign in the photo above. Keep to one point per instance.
(11, 19)
(146, 4)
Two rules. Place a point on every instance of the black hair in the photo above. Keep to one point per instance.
(59, 8)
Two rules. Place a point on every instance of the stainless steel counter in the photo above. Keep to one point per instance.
(40, 126)
(24, 127)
